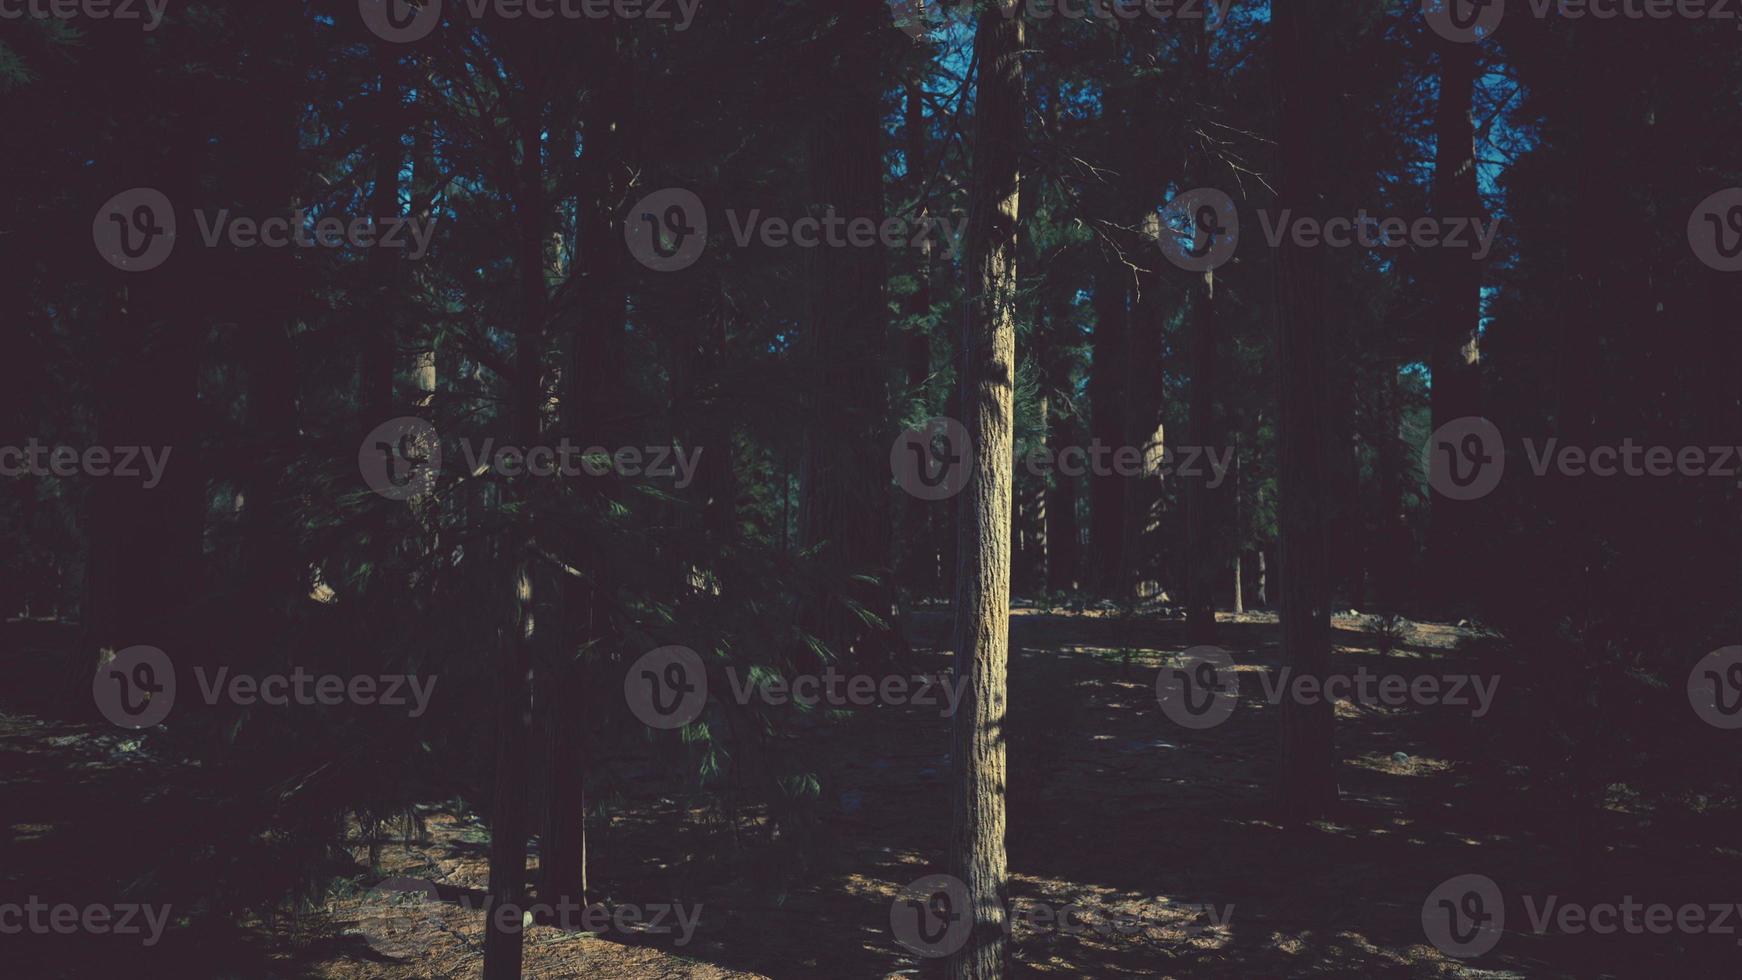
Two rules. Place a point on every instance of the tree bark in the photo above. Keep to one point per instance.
(843, 502)
(982, 628)
(504, 947)
(920, 556)
(1201, 564)
(1107, 429)
(1307, 786)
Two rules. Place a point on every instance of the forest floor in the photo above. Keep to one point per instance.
(1160, 837)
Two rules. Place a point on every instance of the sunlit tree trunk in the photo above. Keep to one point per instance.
(982, 628)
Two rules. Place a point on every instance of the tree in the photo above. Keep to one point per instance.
(982, 630)
(1306, 787)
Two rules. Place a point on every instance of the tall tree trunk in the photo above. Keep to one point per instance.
(1108, 355)
(1239, 535)
(1307, 787)
(982, 628)
(1062, 569)
(592, 393)
(1453, 351)
(1390, 462)
(504, 947)
(1201, 563)
(381, 329)
(920, 555)
(843, 489)
(145, 545)
(263, 289)
(1054, 341)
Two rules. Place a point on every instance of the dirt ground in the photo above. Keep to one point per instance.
(1158, 836)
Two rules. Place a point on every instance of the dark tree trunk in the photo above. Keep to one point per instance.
(919, 541)
(504, 947)
(843, 502)
(1307, 786)
(1107, 429)
(592, 395)
(1201, 501)
(1453, 352)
